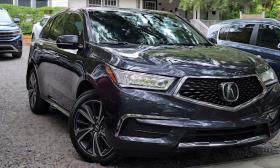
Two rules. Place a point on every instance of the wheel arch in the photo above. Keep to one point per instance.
(29, 68)
(84, 86)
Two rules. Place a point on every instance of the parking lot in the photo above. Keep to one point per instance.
(28, 140)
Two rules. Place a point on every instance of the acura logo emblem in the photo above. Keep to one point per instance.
(230, 91)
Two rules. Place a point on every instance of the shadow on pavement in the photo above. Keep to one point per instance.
(6, 57)
(195, 158)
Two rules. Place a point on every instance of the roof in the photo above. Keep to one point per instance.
(256, 21)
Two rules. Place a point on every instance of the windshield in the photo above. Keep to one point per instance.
(5, 18)
(143, 28)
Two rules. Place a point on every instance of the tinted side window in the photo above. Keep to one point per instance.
(237, 33)
(75, 26)
(57, 27)
(223, 33)
(269, 37)
(45, 30)
(240, 33)
(43, 21)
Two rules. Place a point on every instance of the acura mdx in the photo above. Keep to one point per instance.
(139, 81)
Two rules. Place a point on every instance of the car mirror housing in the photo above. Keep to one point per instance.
(16, 20)
(278, 46)
(68, 42)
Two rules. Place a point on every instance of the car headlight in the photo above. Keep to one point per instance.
(268, 77)
(16, 33)
(131, 79)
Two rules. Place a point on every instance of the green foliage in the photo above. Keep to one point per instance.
(231, 8)
(28, 15)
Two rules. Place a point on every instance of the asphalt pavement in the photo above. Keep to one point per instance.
(29, 140)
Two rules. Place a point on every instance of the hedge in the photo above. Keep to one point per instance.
(28, 15)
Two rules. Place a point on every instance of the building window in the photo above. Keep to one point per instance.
(24, 2)
(6, 1)
(41, 3)
(92, 3)
(152, 5)
(138, 4)
(110, 3)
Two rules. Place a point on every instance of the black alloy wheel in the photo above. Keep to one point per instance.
(87, 130)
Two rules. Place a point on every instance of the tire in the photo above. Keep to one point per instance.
(17, 55)
(37, 104)
(87, 130)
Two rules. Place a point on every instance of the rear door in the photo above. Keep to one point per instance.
(49, 63)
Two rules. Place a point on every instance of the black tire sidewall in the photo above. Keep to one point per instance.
(89, 95)
(40, 106)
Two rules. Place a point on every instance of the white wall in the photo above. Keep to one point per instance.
(59, 3)
(77, 3)
(127, 3)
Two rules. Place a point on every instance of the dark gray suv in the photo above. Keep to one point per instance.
(135, 82)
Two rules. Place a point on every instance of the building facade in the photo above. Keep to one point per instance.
(163, 5)
(201, 19)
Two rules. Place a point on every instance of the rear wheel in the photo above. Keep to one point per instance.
(87, 130)
(37, 105)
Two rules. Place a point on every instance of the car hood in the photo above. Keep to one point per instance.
(185, 61)
(8, 26)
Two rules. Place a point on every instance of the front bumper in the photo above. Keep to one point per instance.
(147, 121)
(11, 46)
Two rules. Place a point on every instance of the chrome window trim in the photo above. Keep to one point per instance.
(211, 105)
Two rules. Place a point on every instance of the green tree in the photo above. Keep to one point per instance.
(271, 7)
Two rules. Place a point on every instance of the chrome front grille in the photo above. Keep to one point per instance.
(8, 35)
(206, 90)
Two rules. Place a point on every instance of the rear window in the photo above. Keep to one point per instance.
(240, 33)
(5, 17)
(269, 37)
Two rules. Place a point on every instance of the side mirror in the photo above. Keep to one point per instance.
(16, 20)
(278, 46)
(68, 42)
(212, 40)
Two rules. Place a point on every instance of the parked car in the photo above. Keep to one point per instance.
(135, 82)
(10, 35)
(260, 37)
(37, 27)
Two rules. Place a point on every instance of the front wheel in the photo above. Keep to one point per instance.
(87, 130)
